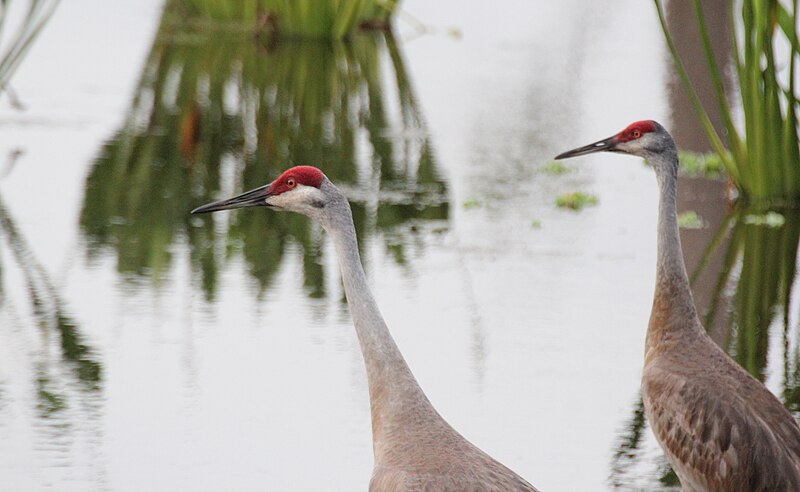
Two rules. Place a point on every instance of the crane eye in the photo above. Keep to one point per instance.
(636, 134)
(291, 183)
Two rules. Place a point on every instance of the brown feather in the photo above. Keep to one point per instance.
(720, 428)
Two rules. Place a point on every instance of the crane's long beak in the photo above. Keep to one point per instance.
(252, 198)
(607, 144)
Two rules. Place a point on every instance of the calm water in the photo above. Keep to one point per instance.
(145, 349)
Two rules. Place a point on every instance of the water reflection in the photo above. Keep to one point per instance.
(15, 44)
(65, 372)
(758, 252)
(764, 253)
(50, 316)
(214, 115)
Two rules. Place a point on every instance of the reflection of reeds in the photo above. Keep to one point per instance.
(765, 257)
(50, 315)
(627, 447)
(214, 115)
(628, 452)
(295, 18)
(36, 16)
(765, 254)
(765, 163)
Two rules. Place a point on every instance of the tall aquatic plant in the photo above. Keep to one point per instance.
(32, 22)
(294, 18)
(764, 160)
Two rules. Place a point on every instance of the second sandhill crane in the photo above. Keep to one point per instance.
(721, 429)
(414, 448)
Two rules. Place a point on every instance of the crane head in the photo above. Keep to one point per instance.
(297, 190)
(643, 138)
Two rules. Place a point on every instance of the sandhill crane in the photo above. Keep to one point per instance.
(721, 429)
(414, 447)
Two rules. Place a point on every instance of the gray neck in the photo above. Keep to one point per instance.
(393, 390)
(673, 304)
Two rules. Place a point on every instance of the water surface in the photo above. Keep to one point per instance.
(143, 348)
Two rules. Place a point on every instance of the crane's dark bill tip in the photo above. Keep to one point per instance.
(204, 209)
(606, 144)
(252, 198)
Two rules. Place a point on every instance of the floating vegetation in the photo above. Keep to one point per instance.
(576, 200)
(709, 165)
(690, 220)
(536, 224)
(769, 219)
(555, 168)
(764, 161)
(472, 204)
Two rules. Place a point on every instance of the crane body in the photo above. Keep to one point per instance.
(720, 428)
(414, 448)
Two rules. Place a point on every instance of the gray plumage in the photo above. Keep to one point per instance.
(414, 448)
(721, 429)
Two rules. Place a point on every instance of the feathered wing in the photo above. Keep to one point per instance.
(721, 429)
(435, 457)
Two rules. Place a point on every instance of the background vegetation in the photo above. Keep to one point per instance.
(763, 159)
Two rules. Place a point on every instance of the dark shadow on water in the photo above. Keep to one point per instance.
(214, 115)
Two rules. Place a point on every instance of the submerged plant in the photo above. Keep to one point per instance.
(764, 161)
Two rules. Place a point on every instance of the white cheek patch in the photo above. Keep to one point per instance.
(297, 199)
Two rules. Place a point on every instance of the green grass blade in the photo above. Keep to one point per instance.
(713, 137)
(734, 141)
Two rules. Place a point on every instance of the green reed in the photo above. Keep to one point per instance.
(764, 160)
(295, 18)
